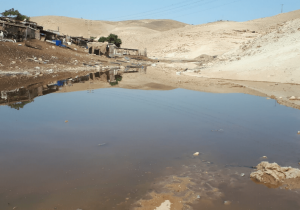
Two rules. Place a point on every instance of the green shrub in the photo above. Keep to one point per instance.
(112, 38)
(15, 13)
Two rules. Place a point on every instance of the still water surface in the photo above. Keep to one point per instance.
(46, 163)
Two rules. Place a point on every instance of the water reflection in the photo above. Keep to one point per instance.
(19, 97)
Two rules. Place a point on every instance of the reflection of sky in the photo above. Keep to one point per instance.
(252, 125)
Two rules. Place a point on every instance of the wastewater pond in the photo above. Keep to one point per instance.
(106, 148)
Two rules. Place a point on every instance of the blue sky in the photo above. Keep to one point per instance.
(188, 11)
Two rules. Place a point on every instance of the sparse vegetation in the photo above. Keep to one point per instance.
(15, 14)
(112, 38)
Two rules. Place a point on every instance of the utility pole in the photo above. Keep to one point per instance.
(281, 8)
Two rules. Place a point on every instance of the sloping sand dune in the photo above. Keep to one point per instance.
(265, 49)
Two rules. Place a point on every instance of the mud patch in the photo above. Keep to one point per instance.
(196, 182)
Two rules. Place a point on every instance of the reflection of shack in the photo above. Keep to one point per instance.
(98, 48)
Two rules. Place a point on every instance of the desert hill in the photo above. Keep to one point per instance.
(168, 38)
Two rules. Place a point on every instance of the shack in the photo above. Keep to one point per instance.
(19, 30)
(98, 48)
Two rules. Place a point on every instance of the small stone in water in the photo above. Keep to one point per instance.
(66, 121)
(265, 157)
(227, 202)
(242, 174)
(196, 154)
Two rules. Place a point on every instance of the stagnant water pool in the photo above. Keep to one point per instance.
(92, 149)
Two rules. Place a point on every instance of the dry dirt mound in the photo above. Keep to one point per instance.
(273, 57)
(272, 174)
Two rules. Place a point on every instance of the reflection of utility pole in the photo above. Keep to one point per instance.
(281, 8)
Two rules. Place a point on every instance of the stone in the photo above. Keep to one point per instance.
(299, 132)
(40, 59)
(53, 47)
(265, 157)
(66, 121)
(178, 73)
(227, 203)
(13, 62)
(293, 98)
(243, 174)
(37, 68)
(196, 154)
(272, 173)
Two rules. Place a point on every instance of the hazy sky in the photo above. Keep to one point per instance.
(188, 11)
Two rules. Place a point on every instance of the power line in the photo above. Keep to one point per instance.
(210, 8)
(149, 11)
(170, 9)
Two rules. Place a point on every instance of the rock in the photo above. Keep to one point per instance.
(265, 157)
(37, 68)
(243, 174)
(272, 173)
(196, 154)
(299, 132)
(227, 203)
(66, 121)
(198, 197)
(178, 73)
(75, 49)
(293, 98)
(153, 64)
(49, 71)
(13, 62)
(40, 59)
(20, 44)
(53, 47)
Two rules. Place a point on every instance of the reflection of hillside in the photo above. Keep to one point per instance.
(18, 98)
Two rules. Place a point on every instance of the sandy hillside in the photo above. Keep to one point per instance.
(273, 57)
(168, 38)
(97, 28)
